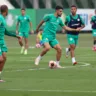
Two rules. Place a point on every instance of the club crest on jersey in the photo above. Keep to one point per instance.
(78, 19)
(25, 18)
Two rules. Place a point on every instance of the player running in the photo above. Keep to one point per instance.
(49, 34)
(93, 23)
(24, 22)
(3, 31)
(73, 21)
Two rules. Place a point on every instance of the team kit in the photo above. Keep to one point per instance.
(46, 36)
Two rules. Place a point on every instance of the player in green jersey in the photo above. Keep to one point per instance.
(93, 23)
(23, 22)
(73, 21)
(3, 31)
(49, 34)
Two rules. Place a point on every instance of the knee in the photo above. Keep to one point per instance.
(47, 48)
(4, 58)
(1, 59)
(59, 50)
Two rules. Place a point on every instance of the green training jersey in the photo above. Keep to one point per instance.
(68, 19)
(2, 28)
(24, 23)
(51, 25)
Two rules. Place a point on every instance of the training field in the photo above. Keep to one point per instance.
(23, 78)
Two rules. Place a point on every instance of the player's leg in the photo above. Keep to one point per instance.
(20, 40)
(3, 57)
(72, 40)
(44, 51)
(26, 45)
(58, 55)
(94, 43)
(26, 35)
(72, 49)
(67, 52)
(55, 44)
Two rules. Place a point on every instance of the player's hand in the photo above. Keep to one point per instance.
(18, 37)
(16, 32)
(78, 29)
(32, 32)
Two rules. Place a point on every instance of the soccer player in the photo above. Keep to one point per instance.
(73, 21)
(3, 31)
(24, 22)
(49, 34)
(93, 23)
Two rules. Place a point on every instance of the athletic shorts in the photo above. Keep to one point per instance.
(72, 39)
(3, 48)
(24, 34)
(52, 43)
(94, 32)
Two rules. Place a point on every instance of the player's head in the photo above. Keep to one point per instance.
(4, 10)
(95, 11)
(23, 11)
(73, 9)
(59, 10)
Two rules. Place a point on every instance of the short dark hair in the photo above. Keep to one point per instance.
(22, 8)
(3, 8)
(58, 7)
(74, 6)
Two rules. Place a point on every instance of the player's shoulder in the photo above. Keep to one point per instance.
(50, 15)
(1, 17)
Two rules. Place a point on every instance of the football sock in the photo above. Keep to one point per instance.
(73, 59)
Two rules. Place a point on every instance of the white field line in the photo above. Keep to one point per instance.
(32, 69)
(35, 90)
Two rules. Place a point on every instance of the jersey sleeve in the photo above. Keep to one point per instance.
(82, 22)
(67, 19)
(46, 18)
(92, 18)
(29, 19)
(61, 23)
(18, 19)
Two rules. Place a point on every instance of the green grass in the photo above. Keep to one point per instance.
(71, 81)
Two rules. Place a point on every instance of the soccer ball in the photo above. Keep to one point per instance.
(38, 45)
(52, 64)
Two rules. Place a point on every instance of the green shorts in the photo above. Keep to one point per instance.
(52, 43)
(72, 39)
(94, 32)
(3, 48)
(24, 34)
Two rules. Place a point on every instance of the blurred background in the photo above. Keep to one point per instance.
(36, 9)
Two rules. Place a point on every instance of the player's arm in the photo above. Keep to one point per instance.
(17, 25)
(40, 24)
(45, 19)
(82, 23)
(70, 29)
(12, 34)
(92, 18)
(67, 28)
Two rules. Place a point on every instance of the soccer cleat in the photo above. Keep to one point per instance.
(2, 80)
(22, 50)
(74, 63)
(67, 51)
(25, 52)
(58, 66)
(37, 60)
